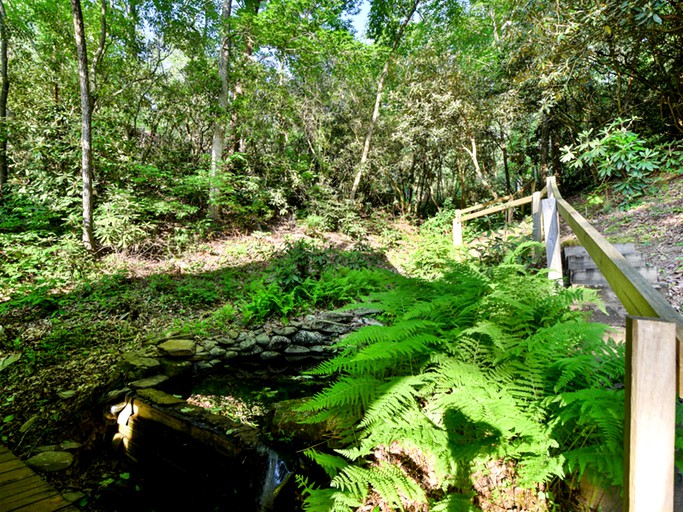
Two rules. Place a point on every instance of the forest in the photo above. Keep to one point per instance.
(202, 167)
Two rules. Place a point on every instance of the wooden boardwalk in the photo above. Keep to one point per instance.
(21, 490)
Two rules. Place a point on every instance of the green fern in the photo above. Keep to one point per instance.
(483, 364)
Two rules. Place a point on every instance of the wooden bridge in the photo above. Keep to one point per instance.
(21, 490)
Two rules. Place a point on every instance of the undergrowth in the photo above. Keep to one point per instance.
(482, 365)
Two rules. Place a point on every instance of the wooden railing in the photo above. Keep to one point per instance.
(654, 348)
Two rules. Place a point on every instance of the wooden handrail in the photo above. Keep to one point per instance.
(494, 201)
(634, 291)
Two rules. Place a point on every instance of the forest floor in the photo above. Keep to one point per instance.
(49, 393)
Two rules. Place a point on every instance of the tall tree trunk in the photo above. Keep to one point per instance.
(4, 93)
(218, 143)
(378, 101)
(86, 124)
(477, 168)
(99, 53)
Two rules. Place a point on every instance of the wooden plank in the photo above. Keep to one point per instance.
(27, 497)
(6, 456)
(495, 209)
(457, 230)
(636, 294)
(650, 420)
(536, 215)
(30, 482)
(49, 504)
(553, 251)
(15, 475)
(10, 465)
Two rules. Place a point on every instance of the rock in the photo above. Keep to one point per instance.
(366, 311)
(337, 316)
(256, 350)
(175, 368)
(285, 331)
(233, 334)
(138, 366)
(159, 397)
(231, 354)
(178, 348)
(73, 496)
(263, 340)
(149, 382)
(308, 338)
(51, 461)
(209, 344)
(204, 366)
(296, 350)
(217, 352)
(329, 327)
(64, 395)
(47, 448)
(200, 356)
(68, 446)
(228, 342)
(115, 395)
(278, 343)
(242, 336)
(247, 344)
(269, 355)
(321, 349)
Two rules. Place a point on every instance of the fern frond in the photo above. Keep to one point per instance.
(395, 396)
(353, 395)
(331, 464)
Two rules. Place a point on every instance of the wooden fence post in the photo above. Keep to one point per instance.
(536, 214)
(457, 230)
(551, 225)
(650, 416)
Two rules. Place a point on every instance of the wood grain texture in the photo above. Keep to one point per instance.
(650, 415)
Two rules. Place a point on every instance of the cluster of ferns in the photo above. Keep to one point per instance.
(481, 365)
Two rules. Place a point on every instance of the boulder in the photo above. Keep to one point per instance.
(296, 350)
(51, 461)
(285, 331)
(268, 355)
(263, 340)
(159, 397)
(278, 343)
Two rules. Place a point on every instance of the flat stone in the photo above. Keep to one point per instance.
(68, 446)
(115, 395)
(256, 350)
(285, 331)
(149, 382)
(366, 311)
(297, 350)
(204, 366)
(278, 343)
(73, 496)
(51, 461)
(233, 334)
(137, 365)
(226, 341)
(263, 339)
(242, 336)
(269, 355)
(65, 395)
(329, 327)
(200, 356)
(178, 348)
(337, 316)
(159, 397)
(231, 354)
(308, 338)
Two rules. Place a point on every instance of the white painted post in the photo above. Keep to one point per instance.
(457, 230)
(650, 419)
(536, 214)
(551, 225)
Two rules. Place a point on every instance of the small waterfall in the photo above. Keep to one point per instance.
(277, 475)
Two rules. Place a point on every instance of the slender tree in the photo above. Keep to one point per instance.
(4, 93)
(86, 125)
(219, 127)
(378, 100)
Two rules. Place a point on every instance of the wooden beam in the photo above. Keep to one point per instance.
(536, 214)
(650, 419)
(495, 209)
(553, 251)
(457, 230)
(637, 295)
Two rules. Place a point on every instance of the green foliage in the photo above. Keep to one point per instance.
(479, 365)
(617, 152)
(118, 221)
